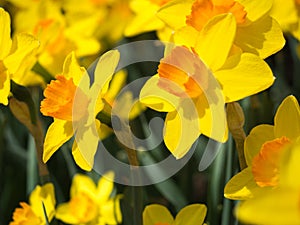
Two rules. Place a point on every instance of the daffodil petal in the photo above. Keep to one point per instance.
(276, 207)
(186, 36)
(59, 132)
(254, 141)
(181, 129)
(174, 13)
(107, 210)
(215, 40)
(157, 98)
(157, 214)
(5, 40)
(105, 186)
(79, 158)
(63, 212)
(25, 45)
(82, 183)
(256, 8)
(287, 118)
(263, 37)
(242, 186)
(191, 215)
(43, 195)
(244, 75)
(4, 87)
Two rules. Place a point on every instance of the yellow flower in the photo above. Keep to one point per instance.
(159, 215)
(221, 77)
(33, 214)
(263, 149)
(145, 18)
(91, 204)
(278, 206)
(69, 98)
(254, 29)
(13, 55)
(287, 13)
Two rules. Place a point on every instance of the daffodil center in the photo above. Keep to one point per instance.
(83, 208)
(159, 2)
(59, 100)
(25, 215)
(265, 165)
(184, 74)
(204, 10)
(297, 2)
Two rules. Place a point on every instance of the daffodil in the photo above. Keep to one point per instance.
(13, 55)
(41, 204)
(190, 215)
(253, 29)
(90, 203)
(278, 206)
(69, 98)
(207, 77)
(145, 18)
(287, 13)
(263, 149)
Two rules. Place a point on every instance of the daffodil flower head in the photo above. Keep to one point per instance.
(264, 147)
(33, 213)
(90, 203)
(159, 215)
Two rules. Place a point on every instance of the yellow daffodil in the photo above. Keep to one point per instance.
(159, 215)
(13, 55)
(263, 148)
(145, 18)
(222, 76)
(69, 98)
(91, 204)
(253, 29)
(33, 213)
(279, 206)
(287, 13)
(46, 21)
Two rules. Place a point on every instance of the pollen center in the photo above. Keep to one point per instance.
(265, 165)
(204, 10)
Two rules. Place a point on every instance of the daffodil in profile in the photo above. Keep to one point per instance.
(13, 55)
(41, 206)
(254, 30)
(264, 147)
(90, 203)
(69, 98)
(287, 13)
(155, 214)
(280, 205)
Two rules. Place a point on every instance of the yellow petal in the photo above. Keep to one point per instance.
(79, 158)
(43, 195)
(59, 132)
(105, 186)
(287, 118)
(244, 75)
(116, 84)
(157, 214)
(158, 98)
(83, 183)
(263, 37)
(174, 13)
(242, 186)
(186, 36)
(277, 207)
(23, 45)
(110, 211)
(215, 40)
(182, 129)
(254, 141)
(191, 215)
(5, 40)
(4, 86)
(256, 8)
(63, 213)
